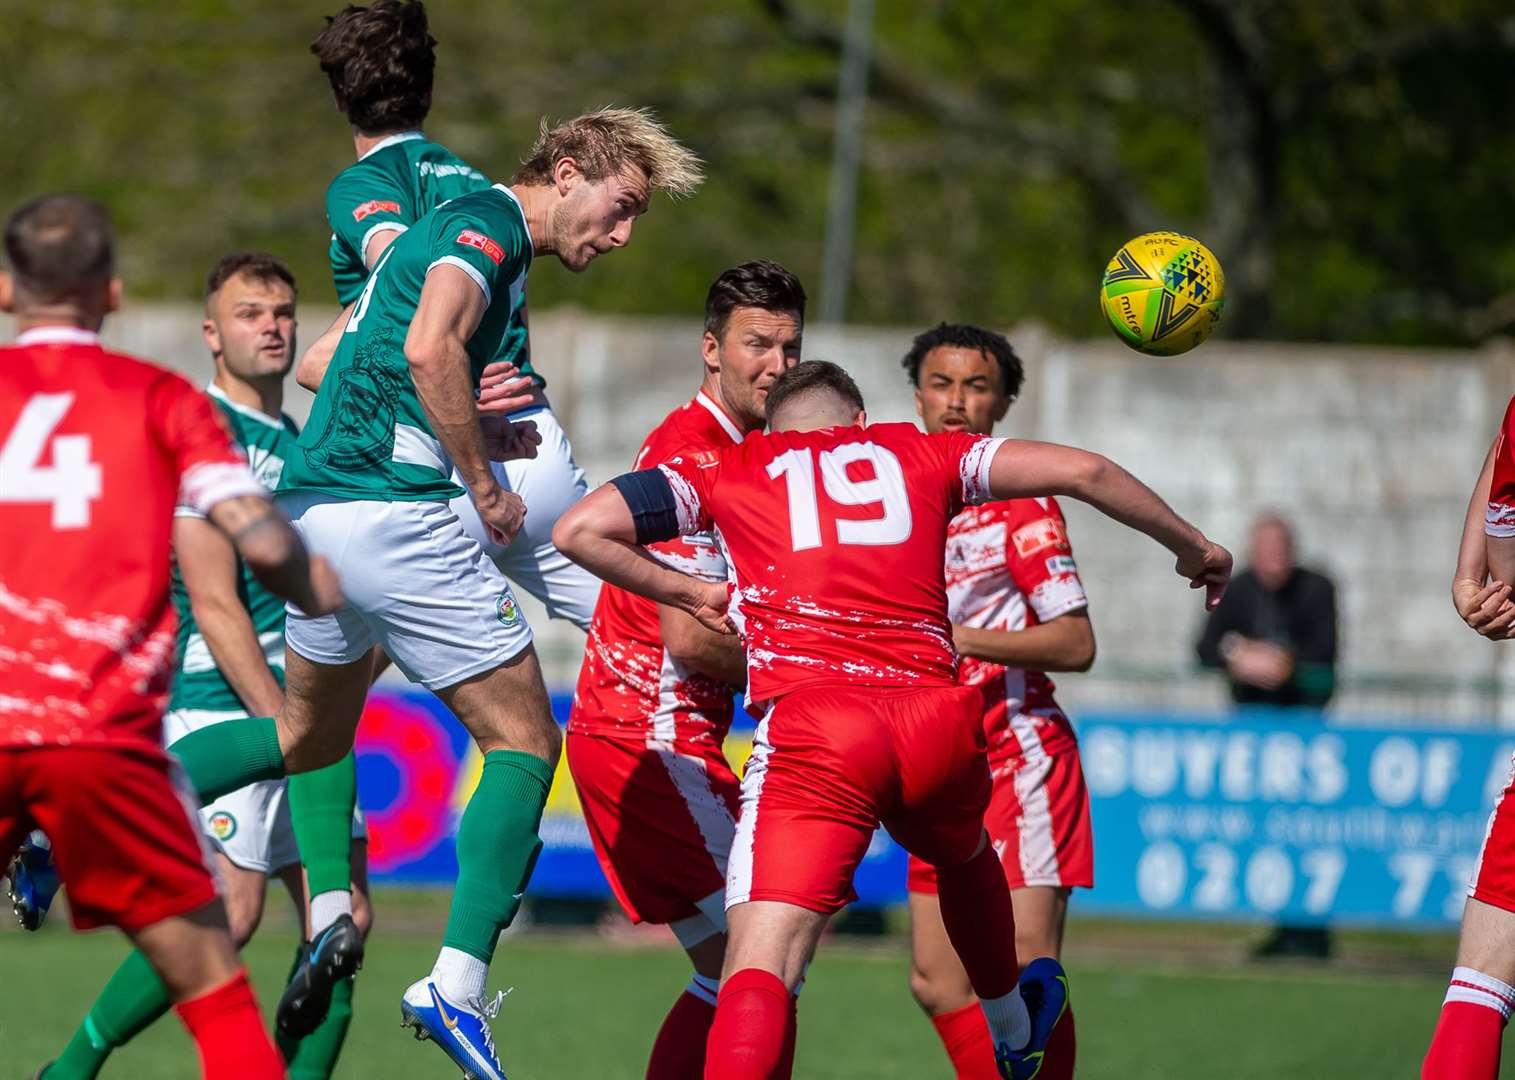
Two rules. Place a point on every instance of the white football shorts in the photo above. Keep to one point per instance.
(549, 484)
(416, 584)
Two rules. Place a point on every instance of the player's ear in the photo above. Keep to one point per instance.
(113, 296)
(1001, 407)
(862, 418)
(710, 352)
(213, 337)
(7, 292)
(920, 406)
(565, 173)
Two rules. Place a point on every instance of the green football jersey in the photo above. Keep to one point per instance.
(367, 436)
(197, 682)
(391, 187)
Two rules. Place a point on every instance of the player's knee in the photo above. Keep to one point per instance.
(934, 993)
(242, 920)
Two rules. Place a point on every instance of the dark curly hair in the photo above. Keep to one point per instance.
(962, 336)
(380, 60)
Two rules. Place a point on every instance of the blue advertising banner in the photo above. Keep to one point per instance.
(1270, 816)
(1258, 817)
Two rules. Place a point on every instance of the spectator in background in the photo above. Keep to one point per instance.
(1274, 635)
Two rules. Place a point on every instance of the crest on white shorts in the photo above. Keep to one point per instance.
(505, 608)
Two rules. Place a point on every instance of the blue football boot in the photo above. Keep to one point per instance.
(33, 880)
(1044, 989)
(462, 1031)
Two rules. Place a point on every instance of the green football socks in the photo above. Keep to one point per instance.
(221, 758)
(497, 849)
(320, 809)
(315, 1056)
(130, 1002)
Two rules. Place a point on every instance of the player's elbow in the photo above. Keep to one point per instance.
(681, 638)
(1081, 655)
(1092, 473)
(571, 533)
(309, 370)
(426, 355)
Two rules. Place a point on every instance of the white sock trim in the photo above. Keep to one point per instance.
(1009, 1022)
(460, 975)
(1475, 988)
(326, 908)
(703, 987)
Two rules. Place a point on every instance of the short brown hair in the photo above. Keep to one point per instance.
(59, 245)
(757, 284)
(605, 142)
(255, 264)
(380, 60)
(808, 376)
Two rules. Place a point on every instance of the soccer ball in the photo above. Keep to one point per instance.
(1163, 293)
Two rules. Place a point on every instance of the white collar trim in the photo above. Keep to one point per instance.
(720, 415)
(58, 335)
(212, 390)
(398, 137)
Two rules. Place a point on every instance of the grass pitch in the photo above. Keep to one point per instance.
(1170, 1003)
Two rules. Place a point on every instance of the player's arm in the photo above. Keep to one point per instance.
(604, 533)
(1025, 469)
(1487, 608)
(452, 305)
(1066, 643)
(208, 564)
(715, 654)
(263, 538)
(317, 356)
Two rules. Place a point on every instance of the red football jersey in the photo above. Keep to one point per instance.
(836, 540)
(628, 685)
(96, 449)
(1499, 520)
(1010, 566)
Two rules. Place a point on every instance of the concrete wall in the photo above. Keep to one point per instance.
(1372, 452)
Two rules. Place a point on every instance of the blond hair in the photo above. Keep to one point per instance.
(606, 141)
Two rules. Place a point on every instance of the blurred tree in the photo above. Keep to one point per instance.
(1349, 162)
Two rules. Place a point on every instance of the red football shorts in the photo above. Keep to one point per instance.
(1494, 876)
(829, 766)
(1038, 821)
(661, 818)
(126, 839)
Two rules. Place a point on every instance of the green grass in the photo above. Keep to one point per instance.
(1171, 1002)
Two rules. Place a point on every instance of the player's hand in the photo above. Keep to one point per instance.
(325, 588)
(502, 512)
(708, 602)
(506, 440)
(503, 389)
(1208, 568)
(1487, 609)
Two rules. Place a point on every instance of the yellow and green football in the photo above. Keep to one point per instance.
(1163, 293)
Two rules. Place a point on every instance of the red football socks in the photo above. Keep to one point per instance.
(965, 1034)
(785, 1067)
(678, 1053)
(228, 1030)
(1471, 1027)
(752, 1018)
(980, 921)
(1061, 1048)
